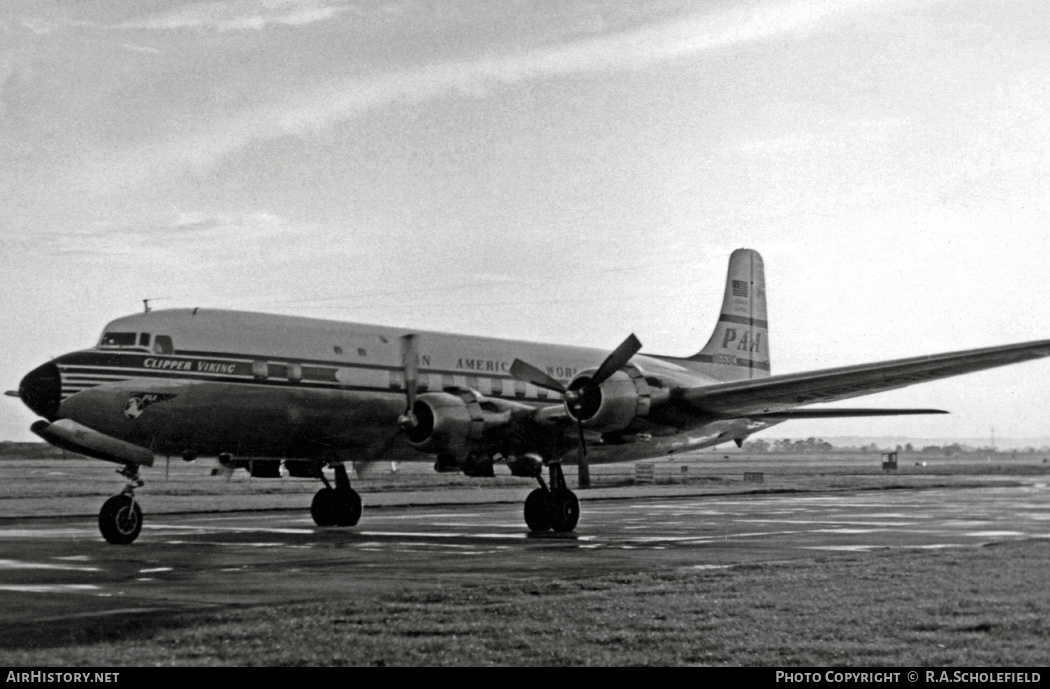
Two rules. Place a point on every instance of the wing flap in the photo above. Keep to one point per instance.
(784, 392)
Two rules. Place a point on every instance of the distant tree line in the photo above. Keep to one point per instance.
(818, 445)
(13, 450)
(807, 446)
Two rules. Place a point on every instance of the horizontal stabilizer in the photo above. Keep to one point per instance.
(840, 413)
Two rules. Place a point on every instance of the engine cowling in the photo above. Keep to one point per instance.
(611, 406)
(451, 423)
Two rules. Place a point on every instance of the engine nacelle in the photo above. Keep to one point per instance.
(451, 423)
(70, 435)
(613, 405)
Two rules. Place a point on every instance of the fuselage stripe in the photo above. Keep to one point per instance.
(743, 320)
(737, 361)
(87, 372)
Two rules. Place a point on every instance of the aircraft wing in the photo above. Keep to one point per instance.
(781, 393)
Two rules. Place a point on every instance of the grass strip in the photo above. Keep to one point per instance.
(985, 606)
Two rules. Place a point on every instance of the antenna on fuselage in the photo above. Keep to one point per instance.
(145, 303)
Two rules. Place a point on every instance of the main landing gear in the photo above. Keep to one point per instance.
(552, 509)
(120, 519)
(339, 506)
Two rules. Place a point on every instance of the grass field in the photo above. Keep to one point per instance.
(986, 606)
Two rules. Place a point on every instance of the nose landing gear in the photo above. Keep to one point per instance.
(120, 519)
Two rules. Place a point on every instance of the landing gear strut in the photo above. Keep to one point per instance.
(120, 519)
(555, 508)
(339, 506)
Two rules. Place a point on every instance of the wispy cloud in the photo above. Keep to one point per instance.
(210, 235)
(821, 135)
(139, 49)
(781, 145)
(239, 15)
(308, 112)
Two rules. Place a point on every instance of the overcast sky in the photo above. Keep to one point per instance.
(555, 171)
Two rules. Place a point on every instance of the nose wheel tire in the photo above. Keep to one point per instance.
(120, 519)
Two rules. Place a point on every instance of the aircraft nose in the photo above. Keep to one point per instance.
(41, 390)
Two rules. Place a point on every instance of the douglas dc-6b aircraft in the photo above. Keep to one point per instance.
(306, 394)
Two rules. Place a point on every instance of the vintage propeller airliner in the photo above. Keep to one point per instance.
(309, 394)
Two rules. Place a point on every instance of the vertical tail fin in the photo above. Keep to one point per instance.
(739, 347)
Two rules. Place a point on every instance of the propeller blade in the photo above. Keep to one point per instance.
(410, 366)
(615, 361)
(530, 374)
(582, 468)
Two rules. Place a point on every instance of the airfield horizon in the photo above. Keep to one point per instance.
(75, 486)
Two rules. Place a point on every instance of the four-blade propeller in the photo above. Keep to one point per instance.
(578, 397)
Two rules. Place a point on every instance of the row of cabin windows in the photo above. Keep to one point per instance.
(162, 344)
(486, 386)
(361, 351)
(261, 370)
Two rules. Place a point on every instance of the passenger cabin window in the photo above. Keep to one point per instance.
(259, 369)
(519, 388)
(118, 340)
(162, 345)
(295, 373)
(447, 381)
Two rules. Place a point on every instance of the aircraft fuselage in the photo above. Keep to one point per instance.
(210, 382)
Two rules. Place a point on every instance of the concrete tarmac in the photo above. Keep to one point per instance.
(57, 570)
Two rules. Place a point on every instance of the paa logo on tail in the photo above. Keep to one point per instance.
(739, 346)
(750, 342)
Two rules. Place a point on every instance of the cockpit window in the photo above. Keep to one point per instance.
(162, 345)
(143, 339)
(118, 340)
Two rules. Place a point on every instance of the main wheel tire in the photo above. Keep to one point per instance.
(324, 507)
(120, 519)
(565, 511)
(348, 508)
(538, 510)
